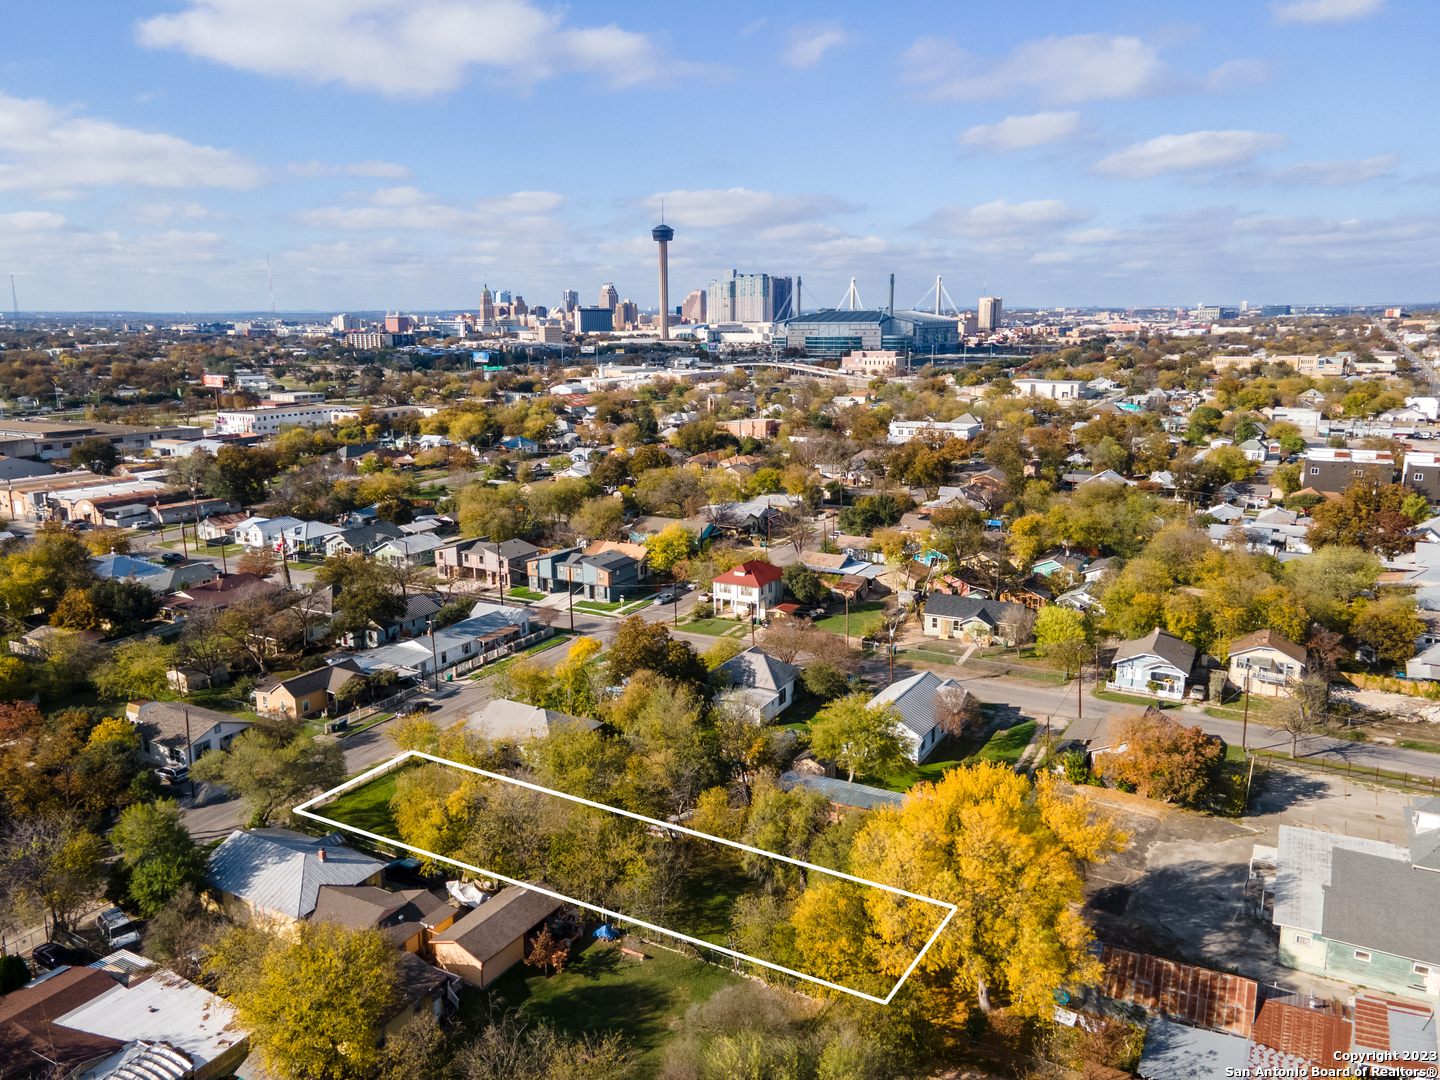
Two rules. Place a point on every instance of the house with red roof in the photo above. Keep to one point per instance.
(751, 589)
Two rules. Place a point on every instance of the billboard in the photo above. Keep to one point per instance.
(587, 349)
(216, 380)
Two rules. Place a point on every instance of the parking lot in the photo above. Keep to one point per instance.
(1179, 891)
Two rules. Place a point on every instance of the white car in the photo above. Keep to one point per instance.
(664, 598)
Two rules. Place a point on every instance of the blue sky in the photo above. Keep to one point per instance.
(400, 153)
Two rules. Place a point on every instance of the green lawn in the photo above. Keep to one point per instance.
(367, 807)
(549, 643)
(598, 606)
(1134, 699)
(713, 627)
(602, 991)
(865, 619)
(950, 754)
(1009, 744)
(714, 882)
(523, 593)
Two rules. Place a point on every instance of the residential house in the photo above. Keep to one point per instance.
(642, 528)
(266, 874)
(844, 795)
(1159, 664)
(174, 734)
(221, 526)
(1422, 473)
(1061, 560)
(408, 551)
(413, 621)
(1096, 570)
(34, 1044)
(914, 700)
(189, 678)
(822, 563)
(39, 643)
(408, 917)
(168, 1026)
(497, 935)
(1267, 664)
(934, 431)
(361, 539)
(763, 684)
(971, 618)
(754, 517)
(311, 693)
(214, 595)
(608, 576)
(491, 630)
(263, 533)
(503, 719)
(1363, 911)
(500, 565)
(639, 552)
(749, 590)
(1328, 469)
(309, 536)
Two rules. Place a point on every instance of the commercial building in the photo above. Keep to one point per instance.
(608, 296)
(934, 431)
(627, 315)
(269, 421)
(343, 323)
(694, 308)
(748, 298)
(595, 320)
(49, 439)
(755, 428)
(1055, 389)
(878, 362)
(991, 313)
(834, 333)
(569, 301)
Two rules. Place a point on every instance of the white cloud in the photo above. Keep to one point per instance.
(160, 213)
(1004, 221)
(1064, 70)
(1317, 11)
(1018, 132)
(45, 150)
(1334, 173)
(809, 43)
(741, 207)
(408, 209)
(1189, 152)
(380, 169)
(407, 48)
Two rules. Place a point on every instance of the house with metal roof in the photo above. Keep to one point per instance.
(970, 618)
(764, 684)
(842, 794)
(490, 628)
(486, 943)
(914, 700)
(32, 1040)
(408, 550)
(1158, 665)
(277, 873)
(362, 539)
(1361, 910)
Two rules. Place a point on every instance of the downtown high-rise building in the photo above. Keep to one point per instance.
(990, 313)
(569, 300)
(693, 309)
(608, 296)
(748, 298)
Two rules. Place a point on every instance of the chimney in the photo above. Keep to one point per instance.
(320, 854)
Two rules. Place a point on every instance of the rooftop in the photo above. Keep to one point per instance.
(282, 871)
(496, 923)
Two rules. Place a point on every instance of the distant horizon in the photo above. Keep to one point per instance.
(210, 155)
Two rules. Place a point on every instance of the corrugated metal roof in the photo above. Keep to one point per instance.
(1299, 1035)
(1194, 995)
(843, 792)
(914, 699)
(1176, 1052)
(281, 871)
(1303, 871)
(164, 1008)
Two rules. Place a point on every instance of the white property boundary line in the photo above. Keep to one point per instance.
(950, 909)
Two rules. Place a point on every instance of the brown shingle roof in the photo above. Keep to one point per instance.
(28, 1030)
(495, 924)
(1268, 639)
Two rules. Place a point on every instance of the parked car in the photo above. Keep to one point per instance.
(50, 956)
(172, 557)
(119, 931)
(664, 598)
(173, 774)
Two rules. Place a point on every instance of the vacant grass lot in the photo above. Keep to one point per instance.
(1007, 745)
(865, 619)
(368, 806)
(600, 990)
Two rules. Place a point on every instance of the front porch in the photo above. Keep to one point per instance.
(1166, 687)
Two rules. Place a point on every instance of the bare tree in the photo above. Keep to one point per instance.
(1326, 649)
(956, 710)
(786, 526)
(1018, 626)
(1305, 709)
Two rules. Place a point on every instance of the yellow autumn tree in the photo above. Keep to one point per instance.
(1007, 855)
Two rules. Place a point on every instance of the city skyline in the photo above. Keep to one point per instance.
(1123, 155)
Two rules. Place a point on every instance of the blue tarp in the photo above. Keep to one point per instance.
(606, 932)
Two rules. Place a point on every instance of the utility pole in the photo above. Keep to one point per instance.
(189, 756)
(570, 595)
(434, 658)
(1245, 724)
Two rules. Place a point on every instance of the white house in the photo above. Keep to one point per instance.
(309, 536)
(962, 427)
(1055, 389)
(763, 683)
(172, 734)
(1158, 658)
(750, 589)
(914, 700)
(261, 532)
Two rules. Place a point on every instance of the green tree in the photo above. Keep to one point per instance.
(49, 864)
(871, 512)
(785, 822)
(642, 646)
(804, 584)
(312, 998)
(271, 774)
(136, 670)
(668, 547)
(1056, 624)
(1390, 626)
(98, 454)
(124, 604)
(362, 593)
(862, 739)
(154, 844)
(825, 681)
(241, 474)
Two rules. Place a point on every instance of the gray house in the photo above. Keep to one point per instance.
(914, 700)
(969, 618)
(608, 576)
(761, 681)
(173, 734)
